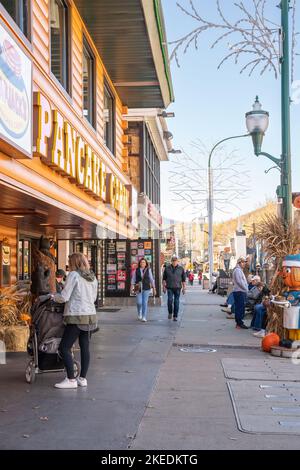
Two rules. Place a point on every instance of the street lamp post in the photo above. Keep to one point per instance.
(284, 191)
(210, 206)
(257, 122)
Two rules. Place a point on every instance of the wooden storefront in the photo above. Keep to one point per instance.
(68, 178)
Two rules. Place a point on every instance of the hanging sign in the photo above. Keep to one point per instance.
(15, 98)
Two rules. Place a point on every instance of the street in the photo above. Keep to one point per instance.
(144, 392)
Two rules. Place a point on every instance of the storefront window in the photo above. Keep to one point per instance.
(59, 41)
(109, 119)
(151, 179)
(24, 260)
(19, 11)
(88, 83)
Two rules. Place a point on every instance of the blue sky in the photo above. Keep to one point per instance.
(210, 104)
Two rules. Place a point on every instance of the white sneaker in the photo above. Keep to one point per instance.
(67, 383)
(139, 317)
(227, 310)
(82, 382)
(144, 320)
(260, 334)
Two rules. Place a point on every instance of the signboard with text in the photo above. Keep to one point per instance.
(15, 98)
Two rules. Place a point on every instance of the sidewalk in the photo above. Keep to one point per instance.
(125, 360)
(143, 392)
(190, 407)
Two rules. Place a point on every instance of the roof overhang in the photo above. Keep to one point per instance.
(157, 128)
(131, 39)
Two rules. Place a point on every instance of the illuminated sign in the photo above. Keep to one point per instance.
(15, 95)
(62, 148)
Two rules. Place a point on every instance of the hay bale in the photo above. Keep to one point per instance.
(15, 338)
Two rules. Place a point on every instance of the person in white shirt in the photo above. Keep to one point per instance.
(79, 295)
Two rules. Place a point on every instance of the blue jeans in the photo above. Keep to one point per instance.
(239, 306)
(176, 294)
(142, 302)
(258, 318)
(230, 301)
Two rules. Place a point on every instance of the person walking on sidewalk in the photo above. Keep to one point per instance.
(240, 290)
(142, 280)
(200, 276)
(79, 295)
(174, 279)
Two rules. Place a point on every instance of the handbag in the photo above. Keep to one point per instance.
(137, 288)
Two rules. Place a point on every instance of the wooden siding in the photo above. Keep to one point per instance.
(100, 101)
(33, 173)
(40, 34)
(9, 231)
(77, 52)
(119, 130)
(41, 57)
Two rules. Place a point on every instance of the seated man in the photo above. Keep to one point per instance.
(259, 318)
(254, 294)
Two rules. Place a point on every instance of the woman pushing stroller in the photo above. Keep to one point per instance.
(79, 295)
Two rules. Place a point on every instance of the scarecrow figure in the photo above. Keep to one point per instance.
(291, 278)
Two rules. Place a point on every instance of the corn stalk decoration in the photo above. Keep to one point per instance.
(253, 35)
(278, 242)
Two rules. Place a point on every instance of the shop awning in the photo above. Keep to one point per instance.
(131, 40)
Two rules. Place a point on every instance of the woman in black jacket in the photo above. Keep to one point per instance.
(142, 281)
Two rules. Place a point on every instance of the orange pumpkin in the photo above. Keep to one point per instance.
(291, 277)
(270, 340)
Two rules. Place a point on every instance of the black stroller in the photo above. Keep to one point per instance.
(46, 331)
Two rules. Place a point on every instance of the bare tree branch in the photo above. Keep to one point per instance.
(188, 179)
(253, 34)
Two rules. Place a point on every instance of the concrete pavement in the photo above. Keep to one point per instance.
(143, 392)
(190, 407)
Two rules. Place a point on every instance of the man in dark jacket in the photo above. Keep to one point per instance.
(173, 281)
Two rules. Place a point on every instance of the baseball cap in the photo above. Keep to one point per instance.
(241, 259)
(174, 258)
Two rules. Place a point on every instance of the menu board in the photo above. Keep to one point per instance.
(116, 270)
(121, 260)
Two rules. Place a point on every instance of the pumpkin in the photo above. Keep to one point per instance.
(270, 340)
(291, 277)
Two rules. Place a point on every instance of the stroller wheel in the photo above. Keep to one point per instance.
(76, 369)
(30, 372)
